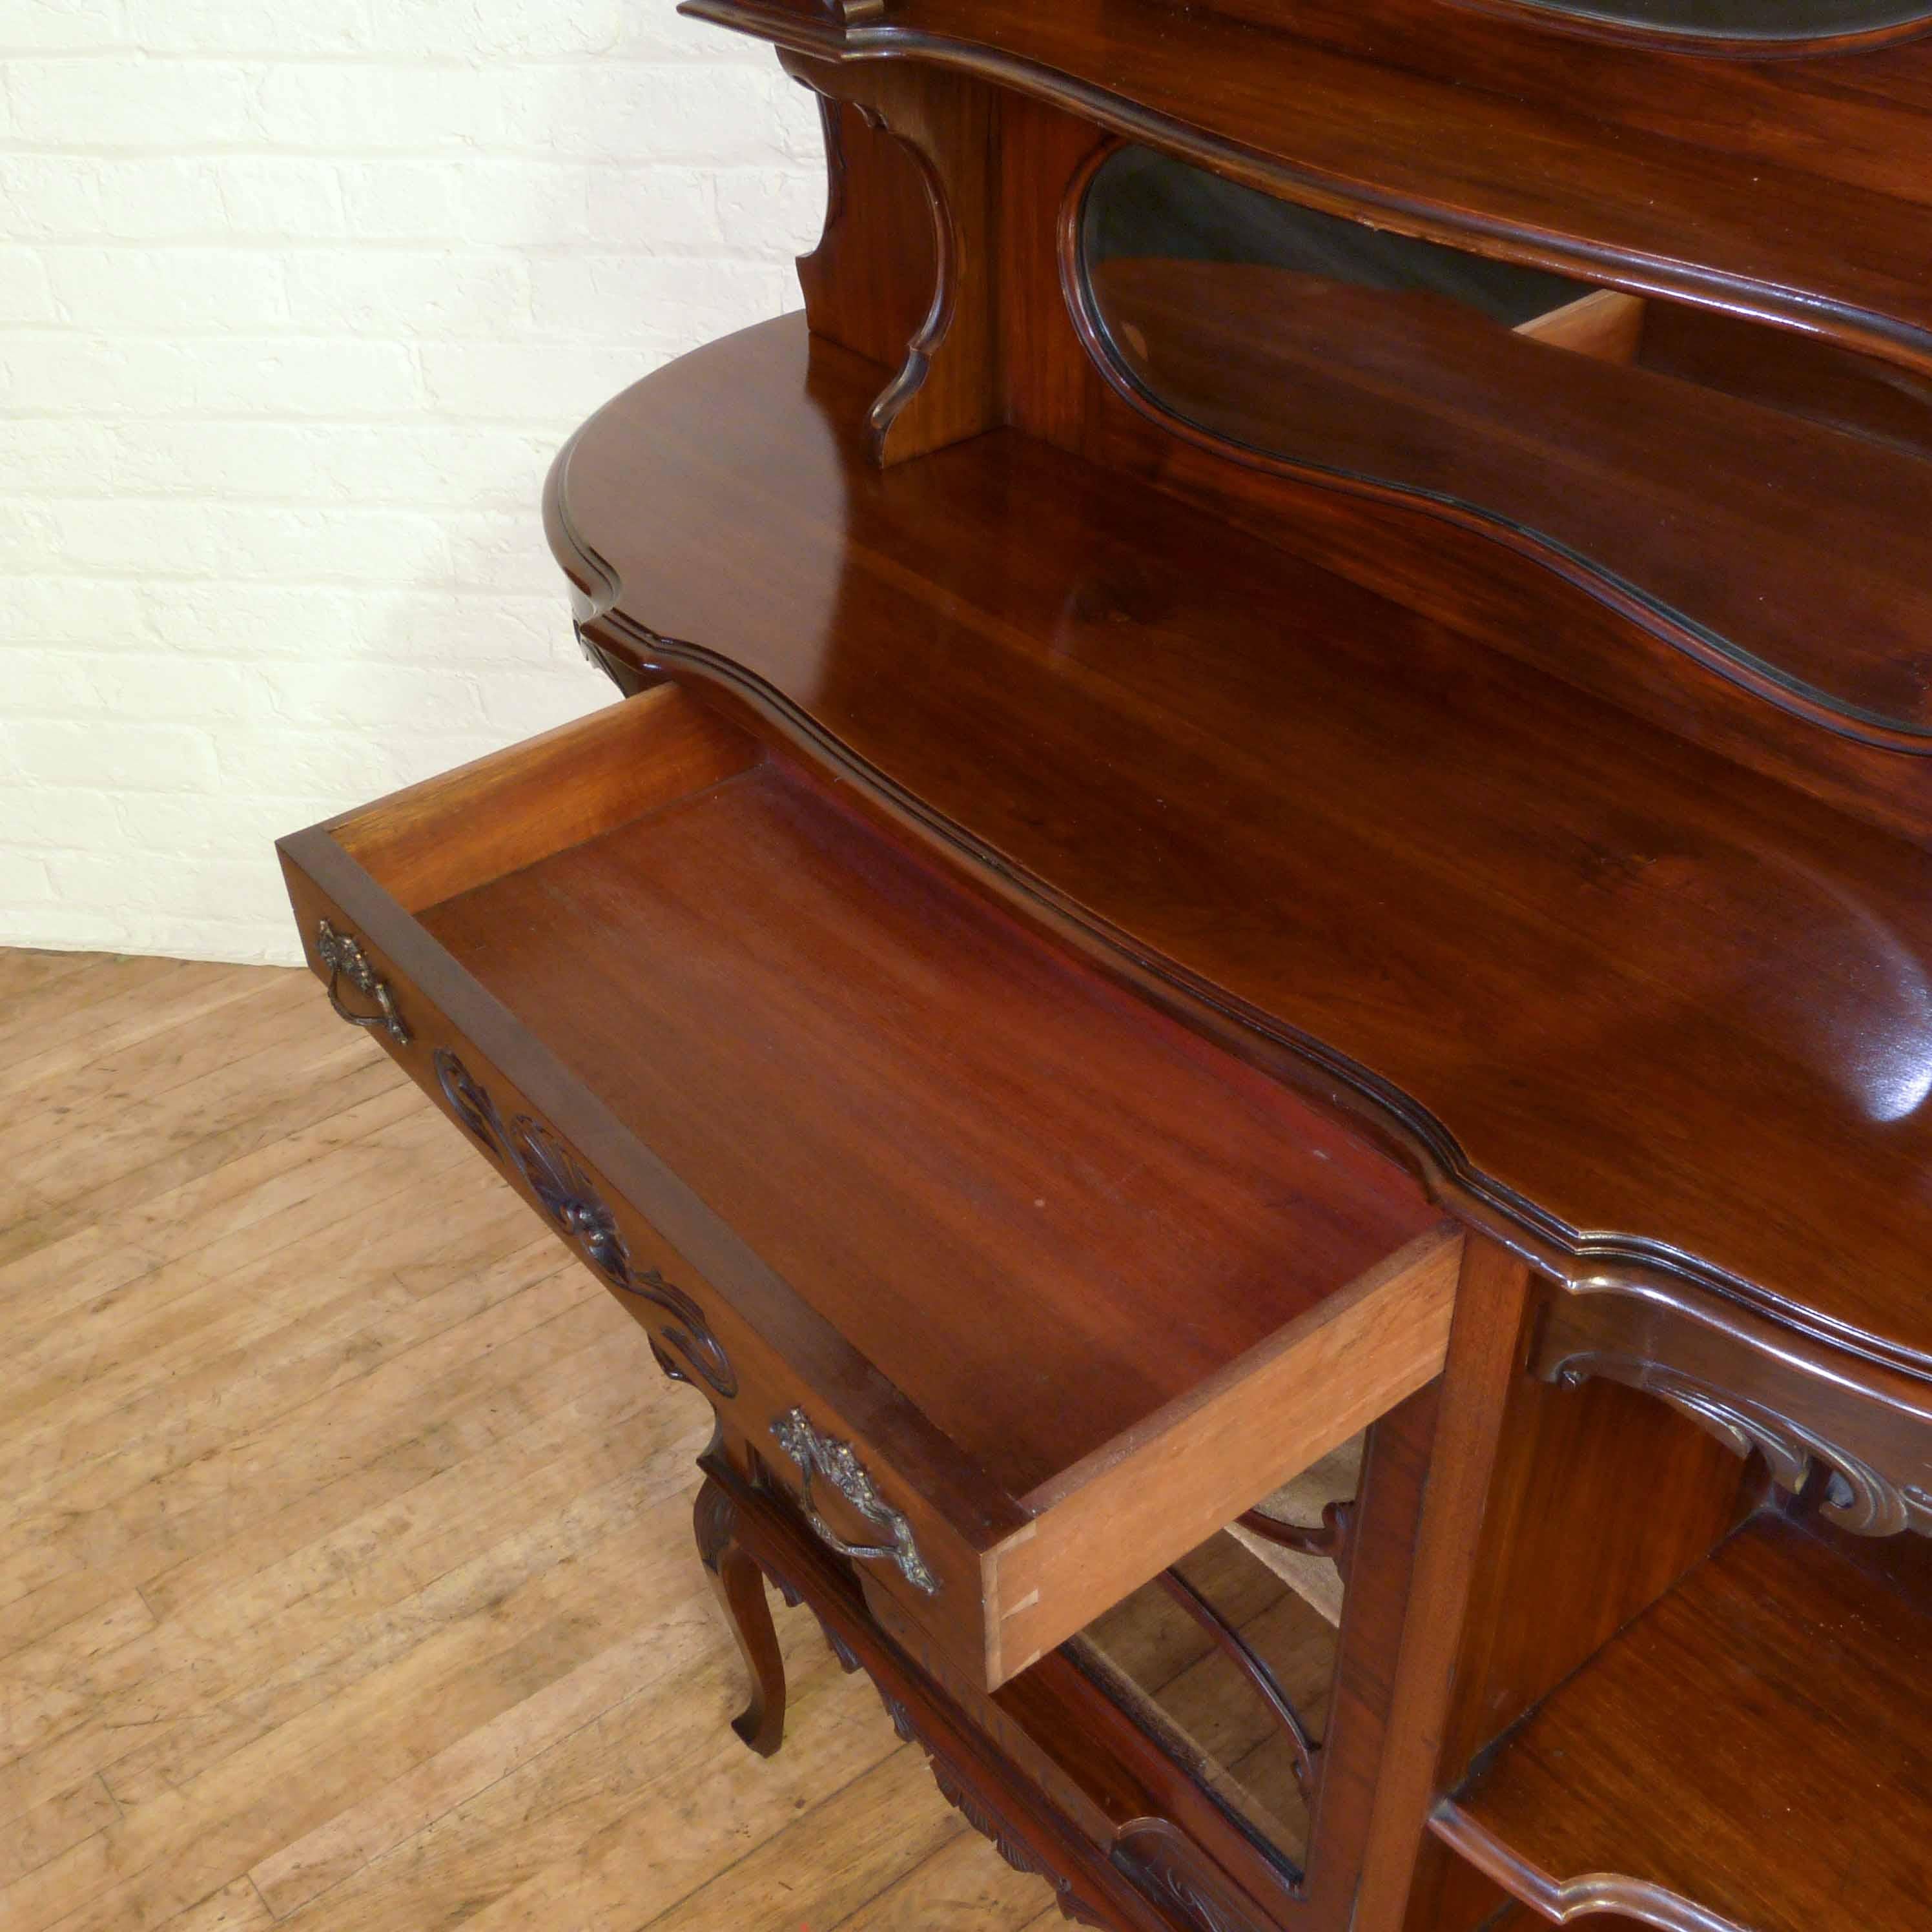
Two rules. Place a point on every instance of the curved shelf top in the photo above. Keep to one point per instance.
(1655, 1011)
(1798, 189)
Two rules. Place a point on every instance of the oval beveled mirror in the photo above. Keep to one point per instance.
(1762, 496)
(1740, 23)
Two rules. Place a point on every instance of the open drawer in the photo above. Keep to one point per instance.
(1019, 1289)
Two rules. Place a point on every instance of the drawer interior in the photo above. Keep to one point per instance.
(1084, 1244)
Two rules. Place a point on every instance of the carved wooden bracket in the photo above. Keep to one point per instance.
(1853, 1436)
(946, 388)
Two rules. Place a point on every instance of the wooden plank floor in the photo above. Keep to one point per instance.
(347, 1581)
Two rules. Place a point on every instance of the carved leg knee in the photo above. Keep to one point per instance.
(740, 1588)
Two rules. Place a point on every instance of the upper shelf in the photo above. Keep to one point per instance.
(1798, 189)
(1761, 498)
(1650, 1006)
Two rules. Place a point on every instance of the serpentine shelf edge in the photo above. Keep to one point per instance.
(1583, 1258)
(1786, 301)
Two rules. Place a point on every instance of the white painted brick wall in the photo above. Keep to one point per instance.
(297, 299)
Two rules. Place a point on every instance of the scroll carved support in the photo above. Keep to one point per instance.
(738, 1516)
(946, 388)
(1845, 1435)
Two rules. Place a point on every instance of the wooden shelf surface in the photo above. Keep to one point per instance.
(1638, 476)
(1656, 1010)
(1758, 1744)
(1795, 189)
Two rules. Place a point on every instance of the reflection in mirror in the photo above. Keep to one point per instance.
(1761, 495)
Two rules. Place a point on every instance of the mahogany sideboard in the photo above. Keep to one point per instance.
(1248, 977)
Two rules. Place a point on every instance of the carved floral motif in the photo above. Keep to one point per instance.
(1856, 1496)
(567, 1194)
(1162, 1864)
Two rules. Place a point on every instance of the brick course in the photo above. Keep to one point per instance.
(296, 302)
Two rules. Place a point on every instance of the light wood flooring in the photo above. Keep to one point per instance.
(347, 1581)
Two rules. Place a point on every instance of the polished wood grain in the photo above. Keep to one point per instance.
(1363, 1739)
(946, 386)
(1454, 871)
(1657, 1494)
(1779, 1682)
(1743, 34)
(1095, 853)
(1752, 220)
(1362, 1352)
(466, 827)
(1507, 598)
(1637, 477)
(1484, 1349)
(1856, 122)
(978, 1112)
(868, 284)
(1606, 323)
(346, 1580)
(952, 1064)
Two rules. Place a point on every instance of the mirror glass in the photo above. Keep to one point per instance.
(1764, 493)
(1743, 20)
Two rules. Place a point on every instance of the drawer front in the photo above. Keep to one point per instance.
(617, 956)
(843, 1484)
(659, 1287)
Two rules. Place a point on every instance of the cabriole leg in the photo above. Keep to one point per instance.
(740, 1586)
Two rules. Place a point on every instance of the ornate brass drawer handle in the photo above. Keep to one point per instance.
(342, 953)
(820, 1455)
(564, 1191)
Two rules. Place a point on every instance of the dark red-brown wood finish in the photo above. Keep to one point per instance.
(1151, 764)
(1640, 1006)
(1618, 944)
(1794, 189)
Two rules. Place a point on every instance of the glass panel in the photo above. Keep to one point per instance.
(1743, 20)
(1227, 1661)
(1763, 492)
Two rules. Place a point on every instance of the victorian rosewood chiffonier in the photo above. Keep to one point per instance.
(1248, 979)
